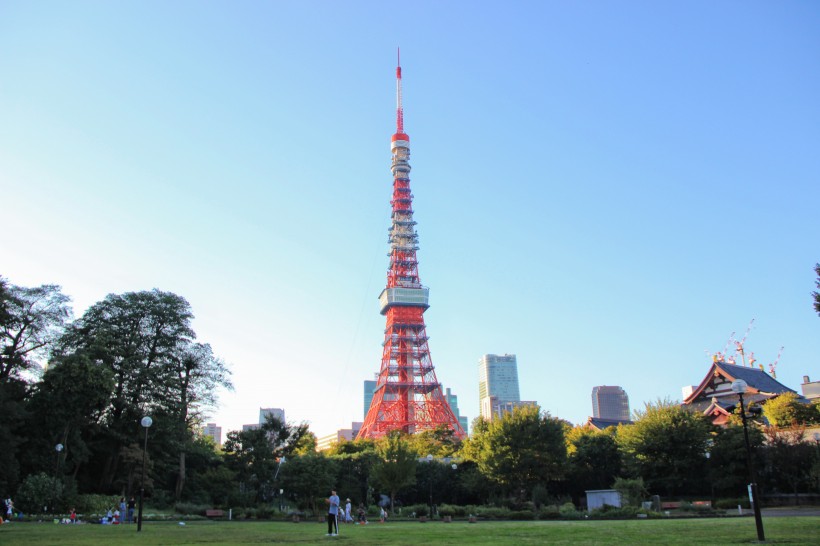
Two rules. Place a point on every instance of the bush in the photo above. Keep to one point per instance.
(568, 511)
(549, 512)
(39, 493)
(452, 510)
(728, 504)
(611, 512)
(491, 512)
(189, 508)
(521, 515)
(417, 509)
(94, 504)
(632, 491)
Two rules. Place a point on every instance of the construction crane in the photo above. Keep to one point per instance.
(739, 344)
(773, 365)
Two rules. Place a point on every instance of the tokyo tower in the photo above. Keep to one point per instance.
(408, 396)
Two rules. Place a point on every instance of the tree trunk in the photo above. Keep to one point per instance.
(180, 476)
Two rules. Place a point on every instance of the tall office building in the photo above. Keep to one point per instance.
(497, 383)
(215, 432)
(278, 413)
(452, 399)
(609, 402)
(369, 389)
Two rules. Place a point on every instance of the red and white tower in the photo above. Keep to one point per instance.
(408, 396)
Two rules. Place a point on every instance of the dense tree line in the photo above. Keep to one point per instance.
(84, 384)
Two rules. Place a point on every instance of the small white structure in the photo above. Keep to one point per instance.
(597, 498)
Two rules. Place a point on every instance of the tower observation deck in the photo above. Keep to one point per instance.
(408, 397)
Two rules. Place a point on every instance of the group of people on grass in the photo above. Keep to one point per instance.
(336, 513)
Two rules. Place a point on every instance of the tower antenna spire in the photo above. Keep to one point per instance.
(399, 108)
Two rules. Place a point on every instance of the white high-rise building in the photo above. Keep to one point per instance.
(215, 432)
(497, 383)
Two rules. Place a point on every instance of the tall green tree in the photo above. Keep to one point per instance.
(666, 446)
(146, 341)
(255, 455)
(308, 480)
(520, 450)
(594, 459)
(395, 468)
(66, 408)
(194, 376)
(355, 461)
(30, 320)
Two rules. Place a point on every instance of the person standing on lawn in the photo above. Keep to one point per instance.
(332, 512)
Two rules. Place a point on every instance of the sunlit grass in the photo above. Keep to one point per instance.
(781, 530)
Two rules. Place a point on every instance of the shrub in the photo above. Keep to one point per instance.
(611, 512)
(94, 504)
(568, 511)
(491, 512)
(728, 504)
(452, 510)
(417, 509)
(189, 508)
(521, 515)
(39, 493)
(632, 491)
(549, 512)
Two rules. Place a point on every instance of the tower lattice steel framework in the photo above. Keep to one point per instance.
(408, 397)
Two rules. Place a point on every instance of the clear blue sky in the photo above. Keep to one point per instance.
(606, 189)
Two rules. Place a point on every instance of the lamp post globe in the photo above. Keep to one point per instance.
(146, 423)
(739, 386)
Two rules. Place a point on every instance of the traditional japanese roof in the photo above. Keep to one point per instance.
(716, 388)
(601, 424)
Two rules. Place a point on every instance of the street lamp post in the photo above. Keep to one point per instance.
(430, 468)
(739, 387)
(58, 448)
(146, 424)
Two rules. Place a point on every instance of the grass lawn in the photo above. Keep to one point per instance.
(780, 530)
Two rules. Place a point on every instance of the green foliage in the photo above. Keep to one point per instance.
(732, 503)
(549, 512)
(666, 446)
(39, 493)
(92, 504)
(789, 460)
(568, 511)
(787, 410)
(816, 295)
(31, 319)
(633, 491)
(440, 442)
(594, 459)
(452, 510)
(395, 467)
(612, 512)
(520, 450)
(308, 479)
(188, 508)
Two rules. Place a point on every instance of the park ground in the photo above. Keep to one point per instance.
(785, 529)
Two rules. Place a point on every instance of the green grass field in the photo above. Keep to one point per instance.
(780, 530)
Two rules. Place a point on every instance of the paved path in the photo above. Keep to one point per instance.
(788, 511)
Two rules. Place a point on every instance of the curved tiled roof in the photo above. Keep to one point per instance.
(756, 378)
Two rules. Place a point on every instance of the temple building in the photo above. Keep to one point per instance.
(714, 396)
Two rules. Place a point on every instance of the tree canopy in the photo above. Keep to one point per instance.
(520, 450)
(666, 446)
